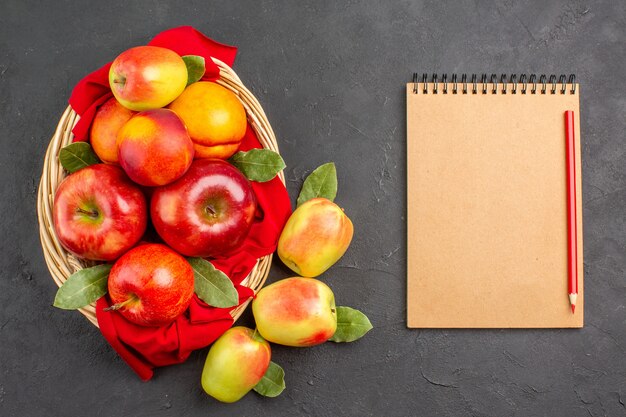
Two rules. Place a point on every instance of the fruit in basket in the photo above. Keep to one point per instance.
(109, 118)
(147, 77)
(235, 364)
(151, 285)
(207, 212)
(316, 235)
(295, 312)
(154, 147)
(98, 213)
(215, 118)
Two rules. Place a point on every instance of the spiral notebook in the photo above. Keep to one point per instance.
(486, 202)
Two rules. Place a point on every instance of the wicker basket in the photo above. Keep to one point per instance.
(61, 263)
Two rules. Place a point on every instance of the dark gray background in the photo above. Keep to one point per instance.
(330, 75)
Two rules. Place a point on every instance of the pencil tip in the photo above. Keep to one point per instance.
(573, 308)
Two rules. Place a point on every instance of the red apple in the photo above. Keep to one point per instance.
(296, 312)
(207, 212)
(147, 77)
(151, 285)
(236, 362)
(154, 147)
(99, 213)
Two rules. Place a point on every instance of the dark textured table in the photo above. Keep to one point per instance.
(331, 77)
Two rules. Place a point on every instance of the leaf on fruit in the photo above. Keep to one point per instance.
(272, 383)
(77, 156)
(83, 287)
(351, 325)
(195, 68)
(259, 165)
(320, 183)
(213, 286)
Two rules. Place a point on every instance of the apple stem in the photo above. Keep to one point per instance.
(332, 310)
(210, 210)
(91, 213)
(120, 80)
(133, 298)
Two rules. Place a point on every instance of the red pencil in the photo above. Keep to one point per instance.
(572, 225)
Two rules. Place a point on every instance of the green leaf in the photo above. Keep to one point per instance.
(258, 164)
(213, 286)
(83, 287)
(77, 155)
(272, 383)
(195, 68)
(320, 183)
(351, 325)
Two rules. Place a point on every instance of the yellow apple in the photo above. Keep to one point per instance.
(147, 77)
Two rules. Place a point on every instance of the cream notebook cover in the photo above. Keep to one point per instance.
(487, 214)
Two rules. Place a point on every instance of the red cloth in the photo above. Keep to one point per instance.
(144, 348)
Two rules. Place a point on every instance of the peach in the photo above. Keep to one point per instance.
(154, 147)
(217, 151)
(297, 312)
(147, 77)
(215, 118)
(235, 364)
(109, 118)
(316, 235)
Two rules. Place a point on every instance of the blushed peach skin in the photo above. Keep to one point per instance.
(154, 147)
(215, 118)
(218, 151)
(296, 311)
(316, 236)
(109, 119)
(235, 364)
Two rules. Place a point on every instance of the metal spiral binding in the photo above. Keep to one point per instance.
(509, 84)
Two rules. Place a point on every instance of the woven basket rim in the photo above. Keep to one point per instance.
(61, 264)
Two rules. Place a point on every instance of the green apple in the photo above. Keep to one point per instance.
(296, 312)
(235, 364)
